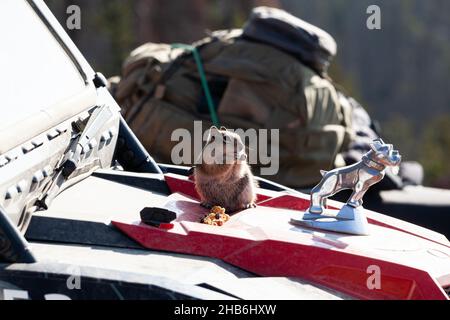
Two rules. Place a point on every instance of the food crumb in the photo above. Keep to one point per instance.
(217, 217)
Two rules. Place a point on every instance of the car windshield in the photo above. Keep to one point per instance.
(36, 71)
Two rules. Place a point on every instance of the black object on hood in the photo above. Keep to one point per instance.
(154, 215)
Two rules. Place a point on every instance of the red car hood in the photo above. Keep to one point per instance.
(398, 260)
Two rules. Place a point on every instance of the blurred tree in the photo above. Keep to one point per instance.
(434, 151)
(400, 132)
(107, 34)
(170, 21)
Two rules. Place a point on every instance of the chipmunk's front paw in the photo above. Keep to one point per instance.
(206, 205)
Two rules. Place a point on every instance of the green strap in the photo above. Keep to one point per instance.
(201, 71)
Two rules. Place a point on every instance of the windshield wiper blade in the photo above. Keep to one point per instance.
(71, 159)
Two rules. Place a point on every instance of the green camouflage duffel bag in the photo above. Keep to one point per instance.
(250, 83)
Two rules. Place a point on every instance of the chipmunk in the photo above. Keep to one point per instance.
(224, 177)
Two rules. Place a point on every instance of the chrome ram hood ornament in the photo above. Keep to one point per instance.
(359, 177)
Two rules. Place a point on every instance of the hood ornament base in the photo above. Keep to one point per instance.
(359, 177)
(348, 220)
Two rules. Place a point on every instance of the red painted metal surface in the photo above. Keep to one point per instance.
(185, 185)
(302, 204)
(320, 258)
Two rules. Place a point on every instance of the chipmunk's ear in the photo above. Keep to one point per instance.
(223, 128)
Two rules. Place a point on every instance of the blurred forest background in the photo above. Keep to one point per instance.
(400, 74)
